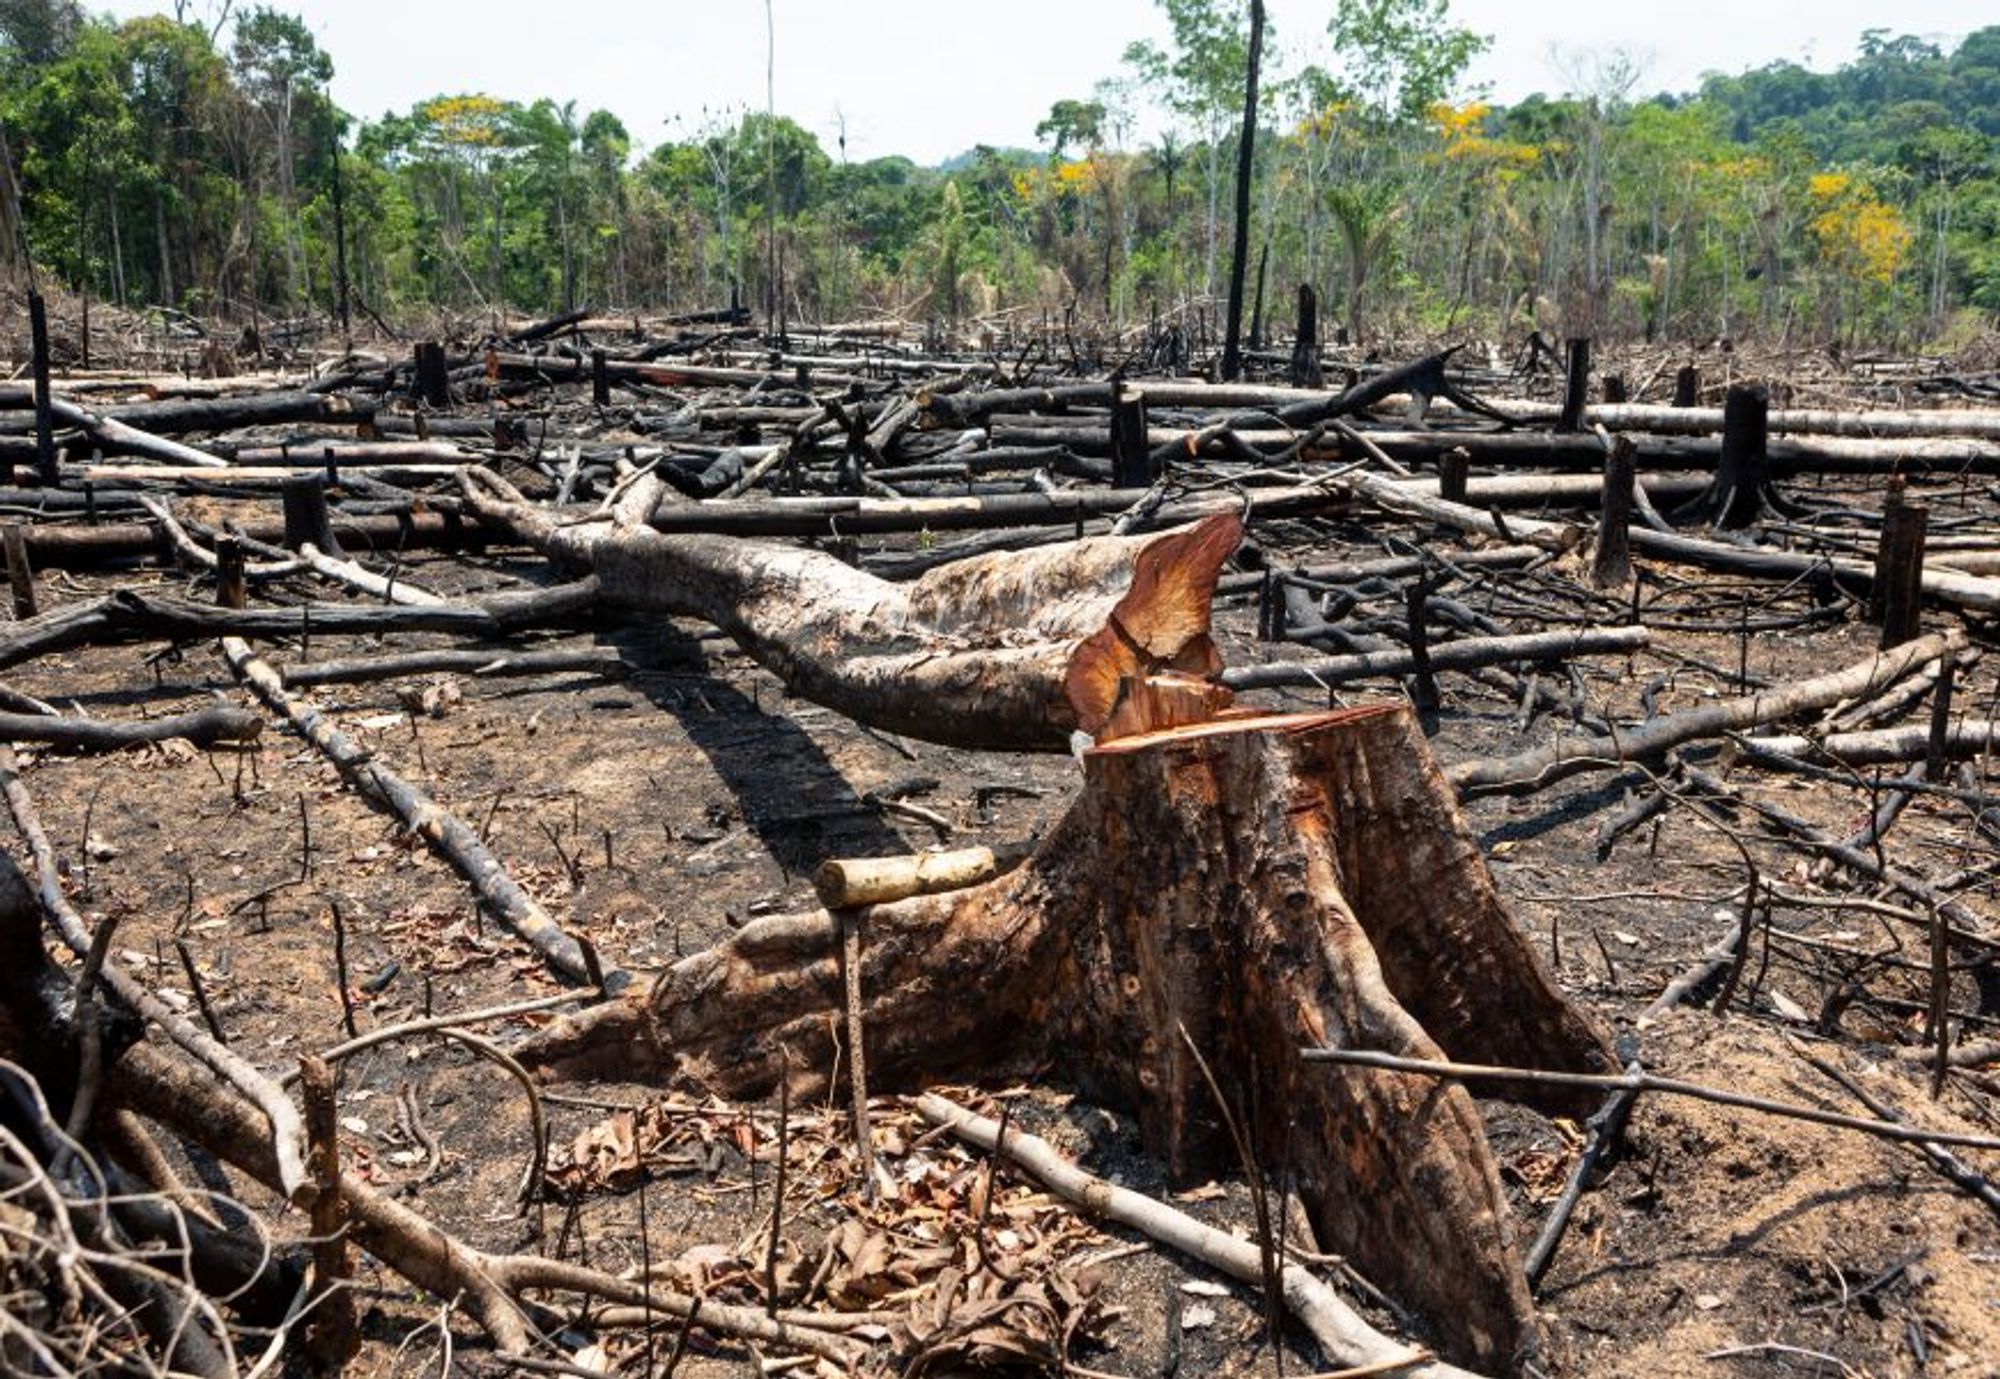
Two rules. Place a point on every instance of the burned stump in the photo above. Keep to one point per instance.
(1265, 883)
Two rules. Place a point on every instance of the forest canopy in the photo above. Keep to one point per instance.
(187, 162)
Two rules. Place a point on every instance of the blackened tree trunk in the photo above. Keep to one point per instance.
(1246, 156)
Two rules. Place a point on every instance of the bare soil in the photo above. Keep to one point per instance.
(657, 812)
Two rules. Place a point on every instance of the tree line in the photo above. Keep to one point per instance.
(196, 162)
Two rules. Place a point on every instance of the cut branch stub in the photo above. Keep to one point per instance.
(1265, 882)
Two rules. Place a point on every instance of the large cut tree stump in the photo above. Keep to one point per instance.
(1266, 883)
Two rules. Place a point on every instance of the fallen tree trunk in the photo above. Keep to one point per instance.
(1529, 771)
(1468, 654)
(865, 516)
(1008, 651)
(1517, 449)
(151, 420)
(1245, 887)
(54, 546)
(128, 616)
(1938, 423)
(1942, 584)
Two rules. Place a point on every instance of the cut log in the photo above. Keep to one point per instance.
(1009, 651)
(60, 546)
(1470, 654)
(1263, 883)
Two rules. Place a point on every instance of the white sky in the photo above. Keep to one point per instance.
(931, 78)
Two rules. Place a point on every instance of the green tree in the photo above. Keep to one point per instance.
(1072, 122)
(279, 67)
(1401, 57)
(1201, 81)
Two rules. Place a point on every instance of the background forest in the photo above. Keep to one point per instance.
(194, 160)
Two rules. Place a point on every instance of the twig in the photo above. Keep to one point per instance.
(531, 1178)
(200, 991)
(778, 1190)
(1607, 1128)
(340, 969)
(1253, 1174)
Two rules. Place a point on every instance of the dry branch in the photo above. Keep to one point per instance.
(285, 1137)
(204, 727)
(445, 834)
(1563, 758)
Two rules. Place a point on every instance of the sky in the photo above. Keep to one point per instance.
(930, 78)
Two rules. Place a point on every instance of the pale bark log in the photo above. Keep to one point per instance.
(1016, 650)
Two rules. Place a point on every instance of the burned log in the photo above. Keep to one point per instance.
(129, 616)
(204, 728)
(1245, 887)
(1010, 651)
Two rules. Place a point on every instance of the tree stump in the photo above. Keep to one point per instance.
(1264, 883)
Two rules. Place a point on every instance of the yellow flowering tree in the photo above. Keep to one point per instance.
(1860, 242)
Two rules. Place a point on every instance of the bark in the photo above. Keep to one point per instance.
(1013, 651)
(1263, 883)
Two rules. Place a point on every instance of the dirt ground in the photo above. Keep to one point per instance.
(657, 811)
